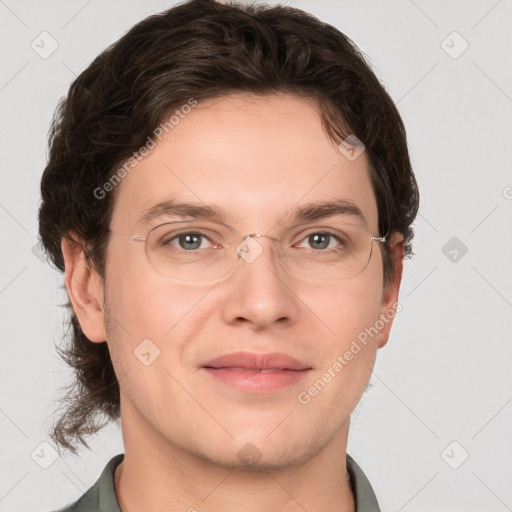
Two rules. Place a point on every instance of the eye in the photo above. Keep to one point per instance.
(320, 241)
(188, 241)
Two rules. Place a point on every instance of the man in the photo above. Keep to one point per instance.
(230, 196)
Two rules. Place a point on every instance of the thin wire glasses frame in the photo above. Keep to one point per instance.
(209, 265)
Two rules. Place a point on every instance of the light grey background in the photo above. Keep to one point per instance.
(445, 374)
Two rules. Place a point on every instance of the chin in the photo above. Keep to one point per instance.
(257, 454)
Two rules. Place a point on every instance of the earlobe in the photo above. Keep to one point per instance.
(85, 290)
(390, 293)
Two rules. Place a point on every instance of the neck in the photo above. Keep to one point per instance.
(160, 476)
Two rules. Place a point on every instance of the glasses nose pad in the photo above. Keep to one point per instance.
(249, 249)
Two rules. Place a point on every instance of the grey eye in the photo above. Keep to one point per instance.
(187, 241)
(320, 241)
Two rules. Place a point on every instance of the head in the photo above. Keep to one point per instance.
(241, 109)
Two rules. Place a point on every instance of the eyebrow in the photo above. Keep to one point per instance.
(325, 209)
(308, 213)
(173, 208)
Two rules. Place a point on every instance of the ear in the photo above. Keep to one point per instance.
(390, 293)
(85, 290)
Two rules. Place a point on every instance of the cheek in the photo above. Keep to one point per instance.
(347, 348)
(151, 308)
(347, 352)
(144, 306)
(343, 310)
(141, 300)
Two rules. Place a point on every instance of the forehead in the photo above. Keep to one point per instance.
(255, 157)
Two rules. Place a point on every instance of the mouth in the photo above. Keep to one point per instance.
(257, 370)
(257, 373)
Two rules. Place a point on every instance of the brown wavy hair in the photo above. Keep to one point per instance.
(199, 49)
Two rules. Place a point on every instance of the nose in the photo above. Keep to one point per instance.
(258, 293)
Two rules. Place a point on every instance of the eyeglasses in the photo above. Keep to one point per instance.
(204, 252)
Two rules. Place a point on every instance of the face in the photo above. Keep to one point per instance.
(257, 159)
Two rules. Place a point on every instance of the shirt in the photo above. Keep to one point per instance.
(101, 497)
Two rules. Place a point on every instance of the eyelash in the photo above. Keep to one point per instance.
(325, 233)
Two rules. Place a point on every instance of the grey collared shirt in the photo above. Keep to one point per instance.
(101, 497)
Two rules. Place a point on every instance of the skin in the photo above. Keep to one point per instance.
(255, 157)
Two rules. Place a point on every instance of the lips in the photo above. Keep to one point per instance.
(256, 373)
(250, 362)
(262, 370)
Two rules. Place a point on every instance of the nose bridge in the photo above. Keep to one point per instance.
(258, 292)
(259, 235)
